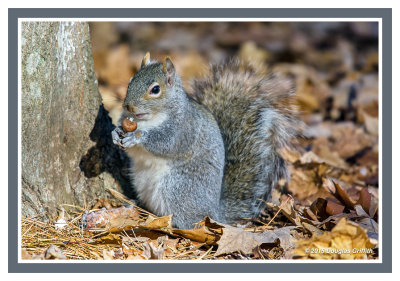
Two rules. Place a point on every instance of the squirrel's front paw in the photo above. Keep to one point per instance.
(125, 139)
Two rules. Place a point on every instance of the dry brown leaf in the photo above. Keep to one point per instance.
(108, 254)
(170, 246)
(105, 219)
(368, 202)
(310, 157)
(206, 231)
(151, 252)
(307, 176)
(371, 124)
(310, 214)
(286, 240)
(54, 253)
(236, 239)
(349, 140)
(129, 240)
(311, 89)
(317, 128)
(371, 226)
(312, 229)
(347, 240)
(374, 204)
(365, 200)
(323, 208)
(292, 214)
(332, 208)
(360, 211)
(318, 208)
(25, 255)
(302, 183)
(109, 239)
(158, 222)
(330, 157)
(134, 257)
(289, 211)
(123, 218)
(339, 193)
(233, 239)
(250, 53)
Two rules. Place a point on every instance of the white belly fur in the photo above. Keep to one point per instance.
(148, 171)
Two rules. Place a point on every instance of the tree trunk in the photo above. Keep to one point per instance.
(67, 152)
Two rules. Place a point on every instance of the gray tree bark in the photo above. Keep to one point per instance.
(67, 154)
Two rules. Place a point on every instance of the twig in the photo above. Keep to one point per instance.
(125, 199)
(280, 208)
(205, 254)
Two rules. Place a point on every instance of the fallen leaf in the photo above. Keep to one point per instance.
(286, 240)
(308, 212)
(123, 218)
(290, 212)
(170, 246)
(206, 231)
(365, 199)
(235, 239)
(250, 53)
(331, 221)
(54, 253)
(134, 257)
(330, 157)
(109, 239)
(340, 194)
(312, 229)
(360, 211)
(25, 255)
(130, 240)
(371, 124)
(333, 208)
(348, 140)
(151, 252)
(318, 130)
(318, 208)
(108, 254)
(158, 222)
(311, 89)
(370, 226)
(347, 240)
(103, 218)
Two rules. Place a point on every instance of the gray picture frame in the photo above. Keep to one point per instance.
(212, 267)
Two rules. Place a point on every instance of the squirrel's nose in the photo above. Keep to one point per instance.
(130, 108)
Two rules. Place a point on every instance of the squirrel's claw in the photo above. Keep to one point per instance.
(116, 137)
(129, 141)
(122, 139)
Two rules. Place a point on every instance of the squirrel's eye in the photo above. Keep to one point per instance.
(155, 90)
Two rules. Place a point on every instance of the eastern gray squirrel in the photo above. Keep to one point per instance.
(212, 155)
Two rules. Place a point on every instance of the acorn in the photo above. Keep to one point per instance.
(129, 125)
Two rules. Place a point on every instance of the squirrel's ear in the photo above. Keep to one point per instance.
(169, 70)
(145, 60)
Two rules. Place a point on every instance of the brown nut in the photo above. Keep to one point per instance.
(128, 125)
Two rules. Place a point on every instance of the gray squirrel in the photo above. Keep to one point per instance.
(216, 154)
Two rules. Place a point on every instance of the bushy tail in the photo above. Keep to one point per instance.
(256, 116)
